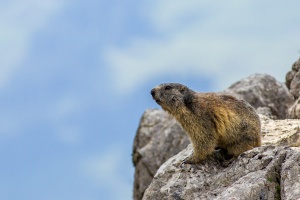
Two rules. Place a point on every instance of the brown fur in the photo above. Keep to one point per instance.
(210, 120)
(296, 144)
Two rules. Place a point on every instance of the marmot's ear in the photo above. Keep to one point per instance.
(182, 89)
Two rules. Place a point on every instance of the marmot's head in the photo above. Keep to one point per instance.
(171, 96)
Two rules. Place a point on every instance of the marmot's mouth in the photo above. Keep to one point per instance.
(157, 101)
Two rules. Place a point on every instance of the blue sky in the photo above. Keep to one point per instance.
(75, 78)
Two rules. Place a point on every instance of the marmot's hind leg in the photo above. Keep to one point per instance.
(239, 148)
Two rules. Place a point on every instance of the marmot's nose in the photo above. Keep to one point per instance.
(153, 92)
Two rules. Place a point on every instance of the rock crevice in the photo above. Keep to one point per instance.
(257, 174)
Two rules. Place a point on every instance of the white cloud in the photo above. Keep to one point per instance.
(104, 170)
(225, 41)
(19, 20)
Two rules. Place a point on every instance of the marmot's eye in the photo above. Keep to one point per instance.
(168, 87)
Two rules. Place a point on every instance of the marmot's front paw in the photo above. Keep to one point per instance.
(190, 160)
(184, 162)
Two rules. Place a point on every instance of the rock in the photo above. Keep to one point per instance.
(293, 83)
(262, 90)
(289, 77)
(158, 138)
(266, 172)
(279, 132)
(294, 110)
(266, 111)
(293, 79)
(290, 185)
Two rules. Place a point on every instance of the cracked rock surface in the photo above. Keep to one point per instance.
(293, 83)
(292, 79)
(266, 172)
(160, 137)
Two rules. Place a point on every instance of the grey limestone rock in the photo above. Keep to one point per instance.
(293, 79)
(279, 132)
(266, 111)
(294, 110)
(266, 172)
(158, 138)
(293, 83)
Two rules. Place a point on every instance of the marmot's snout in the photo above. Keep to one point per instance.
(153, 92)
(154, 96)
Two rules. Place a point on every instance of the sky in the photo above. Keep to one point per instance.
(75, 78)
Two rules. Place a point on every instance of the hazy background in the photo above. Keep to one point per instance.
(75, 78)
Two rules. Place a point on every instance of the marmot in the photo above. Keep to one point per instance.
(211, 120)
